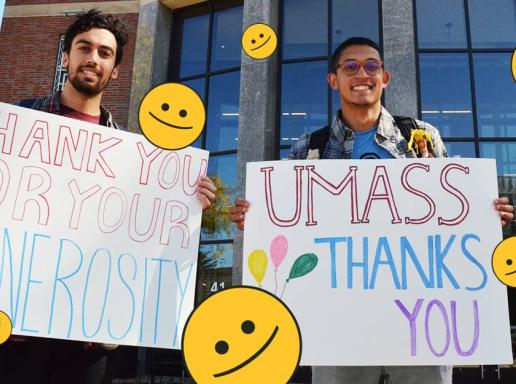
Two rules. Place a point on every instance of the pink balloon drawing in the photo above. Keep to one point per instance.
(279, 247)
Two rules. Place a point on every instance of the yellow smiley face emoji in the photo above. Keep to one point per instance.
(241, 335)
(172, 116)
(514, 65)
(6, 327)
(504, 262)
(259, 41)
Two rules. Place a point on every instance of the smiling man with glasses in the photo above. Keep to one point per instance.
(363, 129)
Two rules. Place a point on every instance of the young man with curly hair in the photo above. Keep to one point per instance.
(93, 51)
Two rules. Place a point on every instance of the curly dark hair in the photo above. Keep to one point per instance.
(96, 19)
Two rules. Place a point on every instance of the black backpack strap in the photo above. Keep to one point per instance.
(406, 125)
(119, 126)
(318, 139)
(26, 103)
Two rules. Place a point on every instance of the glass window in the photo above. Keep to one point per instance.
(223, 102)
(307, 103)
(505, 155)
(213, 32)
(304, 99)
(198, 86)
(354, 18)
(215, 262)
(305, 28)
(226, 46)
(222, 169)
(194, 45)
(441, 24)
(496, 95)
(493, 23)
(460, 149)
(284, 154)
(446, 93)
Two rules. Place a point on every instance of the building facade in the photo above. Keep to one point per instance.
(450, 61)
(30, 41)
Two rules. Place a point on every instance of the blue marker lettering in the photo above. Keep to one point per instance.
(135, 268)
(439, 261)
(406, 247)
(383, 243)
(161, 261)
(333, 262)
(364, 264)
(30, 281)
(144, 299)
(182, 292)
(59, 279)
(473, 260)
(108, 279)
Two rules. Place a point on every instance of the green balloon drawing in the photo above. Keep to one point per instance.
(303, 265)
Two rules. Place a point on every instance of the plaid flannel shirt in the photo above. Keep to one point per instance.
(52, 104)
(388, 136)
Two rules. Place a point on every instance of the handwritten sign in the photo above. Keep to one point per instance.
(99, 231)
(382, 262)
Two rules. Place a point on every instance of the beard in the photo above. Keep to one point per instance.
(87, 87)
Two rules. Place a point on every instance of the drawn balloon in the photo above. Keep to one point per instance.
(303, 265)
(257, 263)
(279, 247)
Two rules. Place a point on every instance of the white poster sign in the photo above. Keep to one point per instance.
(99, 231)
(382, 262)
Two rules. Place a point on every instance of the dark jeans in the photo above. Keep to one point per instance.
(50, 361)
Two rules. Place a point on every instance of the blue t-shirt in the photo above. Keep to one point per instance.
(365, 147)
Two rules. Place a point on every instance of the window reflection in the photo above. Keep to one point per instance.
(284, 154)
(198, 86)
(496, 95)
(214, 269)
(493, 23)
(505, 155)
(216, 224)
(460, 149)
(446, 94)
(223, 102)
(220, 94)
(304, 99)
(441, 24)
(194, 45)
(354, 18)
(226, 44)
(305, 28)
